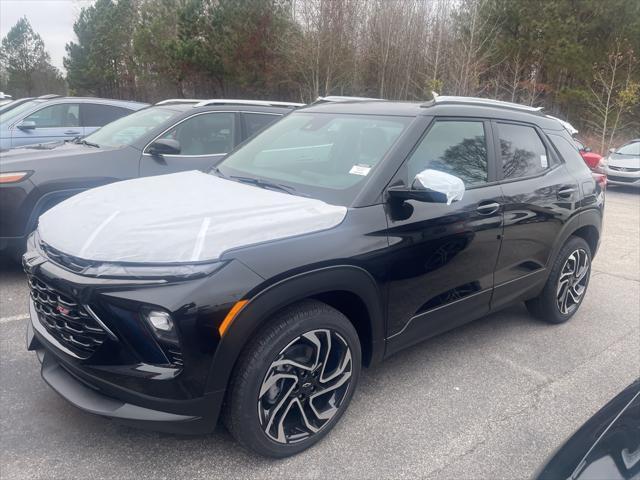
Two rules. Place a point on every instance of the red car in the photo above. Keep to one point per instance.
(592, 159)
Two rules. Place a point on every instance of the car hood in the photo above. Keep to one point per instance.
(178, 218)
(28, 157)
(624, 161)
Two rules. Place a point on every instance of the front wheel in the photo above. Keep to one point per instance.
(294, 380)
(567, 283)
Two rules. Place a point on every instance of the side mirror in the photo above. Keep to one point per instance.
(586, 149)
(431, 186)
(612, 150)
(27, 125)
(164, 146)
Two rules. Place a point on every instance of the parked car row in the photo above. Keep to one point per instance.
(53, 117)
(256, 290)
(171, 136)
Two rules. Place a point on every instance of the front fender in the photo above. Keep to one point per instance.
(267, 300)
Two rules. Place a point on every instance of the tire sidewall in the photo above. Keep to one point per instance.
(575, 243)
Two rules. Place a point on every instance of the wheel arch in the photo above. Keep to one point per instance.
(347, 288)
(586, 225)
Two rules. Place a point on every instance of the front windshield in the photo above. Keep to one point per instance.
(326, 156)
(629, 149)
(12, 113)
(127, 130)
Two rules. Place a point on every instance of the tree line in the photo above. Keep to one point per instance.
(577, 58)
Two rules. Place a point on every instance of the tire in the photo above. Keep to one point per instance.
(558, 303)
(257, 403)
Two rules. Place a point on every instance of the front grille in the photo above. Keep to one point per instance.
(624, 169)
(615, 178)
(66, 320)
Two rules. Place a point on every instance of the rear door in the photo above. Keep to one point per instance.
(59, 121)
(539, 197)
(204, 138)
(254, 122)
(96, 115)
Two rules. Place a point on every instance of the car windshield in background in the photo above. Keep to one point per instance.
(13, 113)
(629, 149)
(127, 130)
(326, 156)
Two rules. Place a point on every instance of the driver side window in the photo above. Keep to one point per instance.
(56, 116)
(205, 134)
(455, 147)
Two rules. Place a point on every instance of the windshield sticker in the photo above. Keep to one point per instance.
(543, 161)
(360, 169)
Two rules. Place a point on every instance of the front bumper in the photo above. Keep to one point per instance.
(96, 396)
(620, 177)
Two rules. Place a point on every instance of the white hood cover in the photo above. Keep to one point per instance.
(182, 217)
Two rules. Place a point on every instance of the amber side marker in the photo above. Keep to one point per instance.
(233, 313)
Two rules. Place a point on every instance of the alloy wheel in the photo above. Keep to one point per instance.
(572, 282)
(304, 386)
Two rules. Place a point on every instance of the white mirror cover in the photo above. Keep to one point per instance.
(441, 182)
(182, 217)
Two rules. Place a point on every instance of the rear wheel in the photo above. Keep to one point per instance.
(294, 380)
(567, 284)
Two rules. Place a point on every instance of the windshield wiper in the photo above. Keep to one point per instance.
(88, 144)
(259, 182)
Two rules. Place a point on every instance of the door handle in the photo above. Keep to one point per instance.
(488, 208)
(566, 192)
(72, 132)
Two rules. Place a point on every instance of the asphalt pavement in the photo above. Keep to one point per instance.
(490, 400)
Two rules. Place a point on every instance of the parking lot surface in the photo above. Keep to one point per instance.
(492, 399)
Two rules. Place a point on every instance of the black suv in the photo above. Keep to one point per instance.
(333, 239)
(174, 135)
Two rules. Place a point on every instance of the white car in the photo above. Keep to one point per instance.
(622, 166)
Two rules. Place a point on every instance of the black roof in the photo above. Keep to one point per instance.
(457, 109)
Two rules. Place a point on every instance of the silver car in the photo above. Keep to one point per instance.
(622, 166)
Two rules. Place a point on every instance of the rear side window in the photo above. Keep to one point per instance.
(96, 115)
(522, 151)
(455, 147)
(56, 116)
(255, 122)
(568, 151)
(204, 134)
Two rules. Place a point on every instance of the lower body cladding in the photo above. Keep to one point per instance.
(99, 353)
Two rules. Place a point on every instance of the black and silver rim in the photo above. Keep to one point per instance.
(573, 281)
(305, 386)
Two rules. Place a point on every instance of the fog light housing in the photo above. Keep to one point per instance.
(161, 323)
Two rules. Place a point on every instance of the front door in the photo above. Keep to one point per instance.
(203, 139)
(441, 269)
(53, 122)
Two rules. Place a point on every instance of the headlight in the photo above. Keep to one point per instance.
(150, 272)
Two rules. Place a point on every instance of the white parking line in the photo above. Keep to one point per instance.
(14, 318)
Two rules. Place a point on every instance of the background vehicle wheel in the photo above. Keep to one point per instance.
(294, 380)
(567, 284)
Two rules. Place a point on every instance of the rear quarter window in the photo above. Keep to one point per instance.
(567, 151)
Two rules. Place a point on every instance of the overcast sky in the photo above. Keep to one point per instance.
(52, 19)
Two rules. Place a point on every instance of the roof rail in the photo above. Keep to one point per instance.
(440, 99)
(169, 101)
(50, 95)
(339, 98)
(567, 126)
(259, 103)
